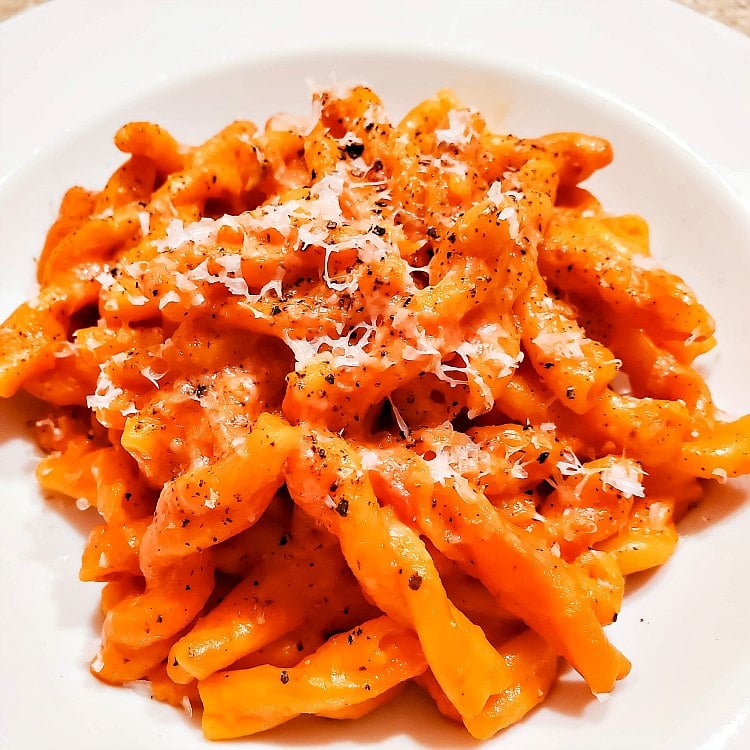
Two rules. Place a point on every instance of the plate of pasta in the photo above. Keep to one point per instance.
(348, 407)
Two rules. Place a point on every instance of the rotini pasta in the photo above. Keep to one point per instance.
(361, 403)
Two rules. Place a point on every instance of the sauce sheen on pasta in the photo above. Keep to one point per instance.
(363, 403)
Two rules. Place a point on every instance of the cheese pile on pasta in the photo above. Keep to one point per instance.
(363, 403)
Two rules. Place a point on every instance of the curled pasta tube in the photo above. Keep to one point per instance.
(602, 582)
(585, 257)
(115, 663)
(97, 240)
(535, 665)
(584, 508)
(279, 594)
(112, 550)
(649, 430)
(76, 208)
(577, 156)
(656, 372)
(576, 368)
(179, 580)
(350, 669)
(242, 623)
(211, 503)
(174, 595)
(525, 577)
(33, 332)
(153, 142)
(722, 452)
(394, 569)
(648, 539)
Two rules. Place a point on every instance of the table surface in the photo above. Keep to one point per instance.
(734, 13)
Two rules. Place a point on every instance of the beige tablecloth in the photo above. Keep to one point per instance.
(734, 13)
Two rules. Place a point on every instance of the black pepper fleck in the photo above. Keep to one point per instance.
(354, 150)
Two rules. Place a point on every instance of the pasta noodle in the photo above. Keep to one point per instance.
(362, 403)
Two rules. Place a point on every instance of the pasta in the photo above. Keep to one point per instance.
(362, 403)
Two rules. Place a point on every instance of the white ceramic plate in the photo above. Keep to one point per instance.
(71, 73)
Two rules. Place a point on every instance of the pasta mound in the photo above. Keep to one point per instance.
(363, 403)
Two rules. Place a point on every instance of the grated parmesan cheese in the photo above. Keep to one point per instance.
(129, 409)
(66, 349)
(168, 298)
(508, 213)
(451, 537)
(449, 165)
(486, 349)
(453, 462)
(517, 470)
(440, 467)
(400, 421)
(569, 464)
(341, 352)
(369, 459)
(150, 374)
(459, 131)
(144, 219)
(621, 384)
(198, 232)
(210, 501)
(624, 476)
(183, 283)
(510, 216)
(230, 275)
(106, 392)
(303, 125)
(720, 475)
(98, 664)
(658, 515)
(495, 193)
(563, 344)
(695, 334)
(136, 269)
(105, 279)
